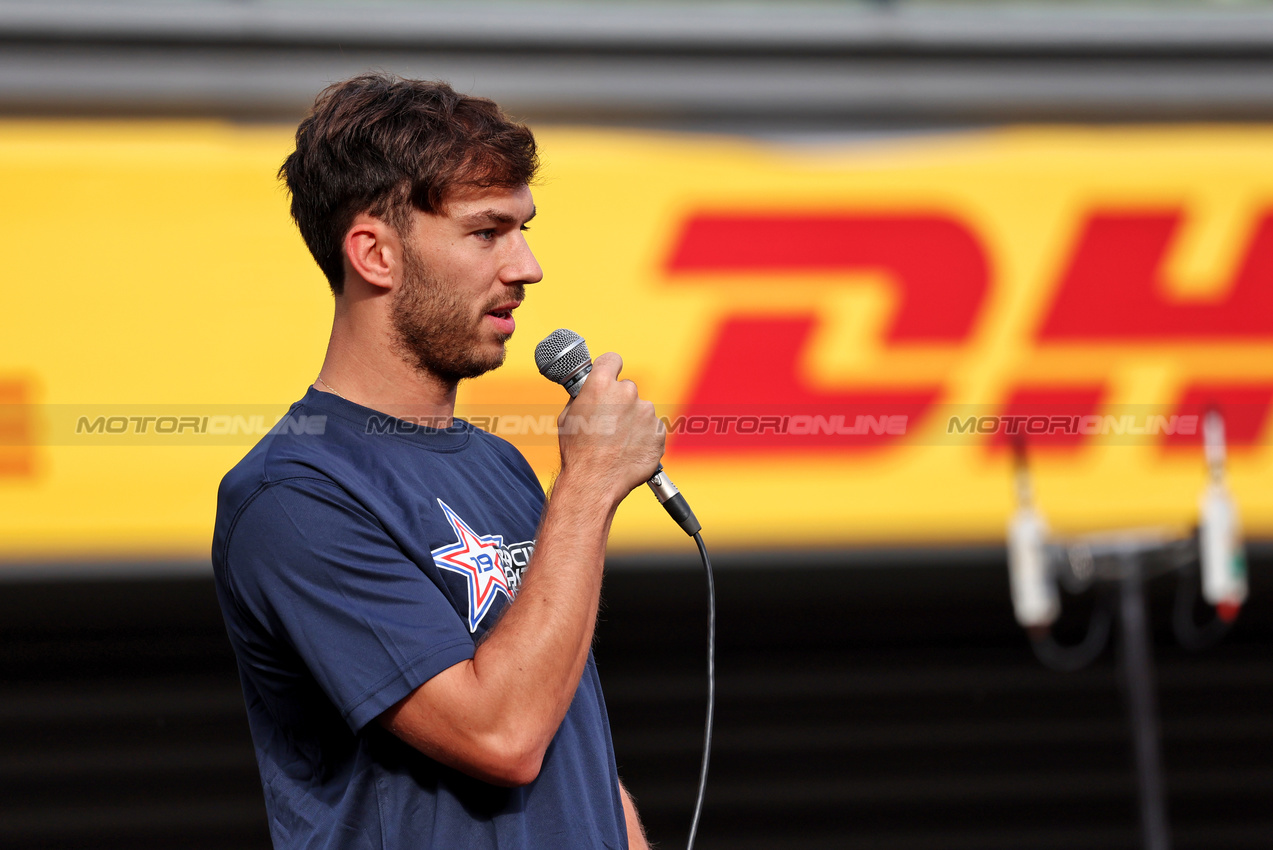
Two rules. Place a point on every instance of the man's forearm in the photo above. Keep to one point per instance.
(494, 716)
(535, 655)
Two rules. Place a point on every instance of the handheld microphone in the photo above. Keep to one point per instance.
(563, 358)
(1034, 594)
(1035, 600)
(1224, 581)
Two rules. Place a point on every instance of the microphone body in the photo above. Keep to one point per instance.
(562, 357)
(1224, 581)
(1034, 595)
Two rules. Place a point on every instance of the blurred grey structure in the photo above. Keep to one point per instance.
(691, 64)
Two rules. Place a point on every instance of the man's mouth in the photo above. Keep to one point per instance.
(503, 316)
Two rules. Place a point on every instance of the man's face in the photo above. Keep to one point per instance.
(464, 272)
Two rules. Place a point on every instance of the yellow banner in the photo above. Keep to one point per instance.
(845, 340)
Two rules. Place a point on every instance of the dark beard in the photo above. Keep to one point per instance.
(434, 332)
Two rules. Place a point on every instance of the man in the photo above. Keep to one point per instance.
(407, 684)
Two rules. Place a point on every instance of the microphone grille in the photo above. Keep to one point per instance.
(560, 354)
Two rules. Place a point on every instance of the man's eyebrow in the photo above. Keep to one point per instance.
(494, 216)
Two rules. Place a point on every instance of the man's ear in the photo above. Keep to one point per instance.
(373, 251)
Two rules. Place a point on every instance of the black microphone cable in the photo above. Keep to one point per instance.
(711, 685)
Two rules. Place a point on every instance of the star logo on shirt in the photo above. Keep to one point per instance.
(477, 558)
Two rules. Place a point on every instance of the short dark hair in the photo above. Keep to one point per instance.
(383, 145)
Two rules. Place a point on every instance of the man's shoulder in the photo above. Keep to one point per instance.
(272, 461)
(298, 451)
(288, 450)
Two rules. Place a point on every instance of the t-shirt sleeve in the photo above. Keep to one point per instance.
(315, 569)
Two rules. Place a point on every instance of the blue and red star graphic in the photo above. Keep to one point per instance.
(477, 558)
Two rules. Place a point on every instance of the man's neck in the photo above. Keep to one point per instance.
(374, 375)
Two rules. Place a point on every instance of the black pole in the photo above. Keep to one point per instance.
(1138, 680)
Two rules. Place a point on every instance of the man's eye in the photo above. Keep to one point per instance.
(485, 235)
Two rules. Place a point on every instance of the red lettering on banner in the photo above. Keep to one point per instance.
(1113, 288)
(752, 368)
(1245, 408)
(751, 374)
(17, 430)
(1047, 417)
(936, 262)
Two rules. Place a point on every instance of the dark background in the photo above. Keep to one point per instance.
(864, 701)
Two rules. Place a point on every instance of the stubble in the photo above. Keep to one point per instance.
(435, 331)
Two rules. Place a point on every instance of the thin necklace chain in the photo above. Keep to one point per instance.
(330, 387)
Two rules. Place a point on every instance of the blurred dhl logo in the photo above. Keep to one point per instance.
(1111, 292)
(17, 428)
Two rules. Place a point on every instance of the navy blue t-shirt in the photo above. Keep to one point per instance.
(356, 556)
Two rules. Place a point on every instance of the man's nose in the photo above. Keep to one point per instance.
(522, 267)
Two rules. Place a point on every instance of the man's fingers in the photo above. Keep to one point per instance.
(605, 371)
(608, 364)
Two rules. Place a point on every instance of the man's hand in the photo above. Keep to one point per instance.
(611, 439)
